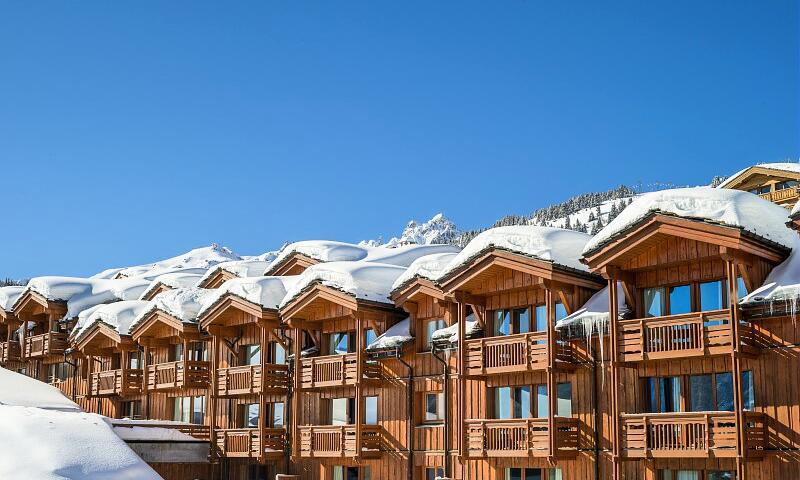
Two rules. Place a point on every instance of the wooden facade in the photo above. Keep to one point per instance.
(773, 184)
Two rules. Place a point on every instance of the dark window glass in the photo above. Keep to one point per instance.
(680, 299)
(652, 395)
(277, 415)
(748, 394)
(700, 387)
(434, 407)
(198, 410)
(522, 402)
(432, 473)
(564, 400)
(502, 322)
(724, 392)
(250, 414)
(522, 322)
(670, 394)
(340, 343)
(655, 303)
(541, 401)
(720, 475)
(431, 327)
(252, 354)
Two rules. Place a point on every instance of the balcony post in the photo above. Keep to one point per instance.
(212, 394)
(551, 384)
(359, 378)
(298, 347)
(736, 366)
(462, 407)
(22, 341)
(185, 363)
(262, 410)
(613, 316)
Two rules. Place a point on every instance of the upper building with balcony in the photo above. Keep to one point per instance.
(776, 182)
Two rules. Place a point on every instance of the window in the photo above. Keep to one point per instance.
(433, 473)
(341, 343)
(430, 327)
(434, 407)
(252, 355)
(564, 399)
(277, 354)
(663, 394)
(250, 415)
(510, 322)
(655, 302)
(701, 393)
(198, 410)
(667, 474)
(521, 320)
(712, 295)
(369, 336)
(342, 411)
(134, 360)
(532, 474)
(541, 401)
(131, 409)
(176, 353)
(561, 311)
(502, 323)
(748, 396)
(189, 409)
(720, 475)
(58, 372)
(540, 312)
(371, 410)
(680, 299)
(348, 473)
(516, 402)
(786, 184)
(741, 288)
(198, 352)
(277, 414)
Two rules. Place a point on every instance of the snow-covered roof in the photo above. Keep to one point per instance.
(265, 291)
(322, 250)
(363, 280)
(9, 296)
(405, 255)
(150, 430)
(83, 293)
(240, 268)
(23, 391)
(595, 310)
(733, 208)
(172, 280)
(792, 167)
(396, 336)
(782, 283)
(429, 266)
(562, 247)
(203, 258)
(450, 334)
(56, 445)
(118, 315)
(795, 209)
(182, 303)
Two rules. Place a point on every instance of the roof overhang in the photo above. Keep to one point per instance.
(220, 313)
(293, 264)
(415, 289)
(162, 287)
(219, 277)
(32, 303)
(102, 337)
(657, 227)
(757, 170)
(159, 324)
(320, 302)
(494, 260)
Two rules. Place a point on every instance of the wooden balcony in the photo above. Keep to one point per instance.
(339, 441)
(335, 371)
(180, 374)
(787, 195)
(248, 443)
(690, 435)
(120, 382)
(250, 379)
(521, 437)
(678, 336)
(9, 352)
(51, 343)
(513, 353)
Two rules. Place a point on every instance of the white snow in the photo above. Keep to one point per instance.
(172, 280)
(182, 303)
(22, 391)
(733, 208)
(119, 315)
(394, 336)
(9, 296)
(795, 209)
(240, 268)
(363, 280)
(595, 311)
(562, 247)
(429, 266)
(203, 258)
(323, 250)
(791, 167)
(405, 255)
(584, 215)
(149, 430)
(437, 230)
(83, 293)
(450, 334)
(265, 291)
(782, 283)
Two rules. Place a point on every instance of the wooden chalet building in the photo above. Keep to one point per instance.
(777, 182)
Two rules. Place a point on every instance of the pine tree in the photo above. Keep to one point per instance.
(567, 224)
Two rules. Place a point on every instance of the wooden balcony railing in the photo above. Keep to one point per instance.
(339, 441)
(50, 343)
(513, 353)
(180, 374)
(121, 382)
(779, 196)
(690, 434)
(521, 437)
(685, 335)
(248, 379)
(248, 443)
(200, 432)
(9, 351)
(334, 371)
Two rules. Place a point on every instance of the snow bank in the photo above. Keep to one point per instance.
(172, 280)
(732, 208)
(450, 334)
(21, 391)
(783, 166)
(782, 283)
(83, 293)
(265, 291)
(429, 266)
(562, 247)
(363, 280)
(9, 296)
(119, 315)
(396, 336)
(405, 255)
(203, 258)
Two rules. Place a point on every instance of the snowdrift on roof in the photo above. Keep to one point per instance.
(405, 255)
(240, 268)
(182, 303)
(784, 166)
(9, 296)
(395, 337)
(172, 280)
(429, 266)
(119, 315)
(22, 391)
(562, 247)
(83, 293)
(203, 258)
(782, 283)
(363, 280)
(265, 291)
(732, 208)
(450, 334)
(595, 311)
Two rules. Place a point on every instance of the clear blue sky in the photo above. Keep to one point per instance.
(132, 131)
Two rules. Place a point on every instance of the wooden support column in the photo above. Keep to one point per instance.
(23, 333)
(359, 379)
(736, 367)
(613, 317)
(295, 426)
(462, 383)
(212, 393)
(551, 383)
(145, 380)
(262, 407)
